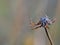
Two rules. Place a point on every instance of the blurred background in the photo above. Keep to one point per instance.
(15, 16)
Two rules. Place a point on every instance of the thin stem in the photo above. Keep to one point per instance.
(48, 36)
